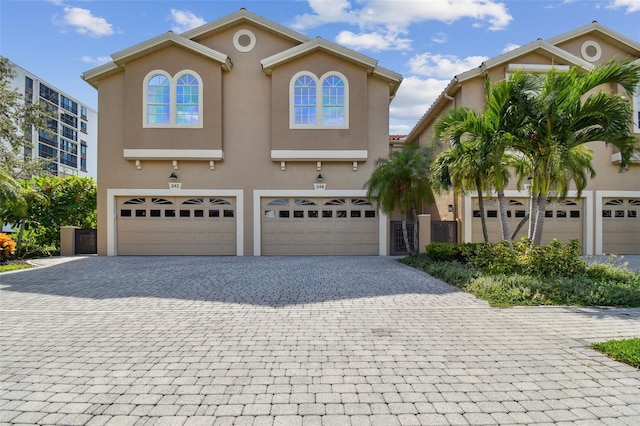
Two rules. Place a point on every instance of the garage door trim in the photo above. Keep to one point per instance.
(113, 193)
(600, 195)
(311, 193)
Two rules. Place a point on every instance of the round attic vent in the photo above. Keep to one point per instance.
(244, 40)
(591, 51)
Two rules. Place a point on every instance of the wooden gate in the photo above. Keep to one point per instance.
(86, 241)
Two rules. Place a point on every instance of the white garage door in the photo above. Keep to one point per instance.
(319, 226)
(563, 220)
(176, 226)
(621, 225)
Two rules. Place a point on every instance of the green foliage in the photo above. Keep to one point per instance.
(555, 259)
(401, 182)
(69, 201)
(7, 247)
(626, 350)
(540, 275)
(455, 273)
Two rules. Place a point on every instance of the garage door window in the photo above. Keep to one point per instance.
(214, 213)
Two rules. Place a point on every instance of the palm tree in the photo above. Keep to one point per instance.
(400, 183)
(487, 137)
(563, 116)
(462, 167)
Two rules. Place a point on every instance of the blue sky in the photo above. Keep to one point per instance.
(427, 41)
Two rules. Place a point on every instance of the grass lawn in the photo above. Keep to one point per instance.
(627, 351)
(14, 266)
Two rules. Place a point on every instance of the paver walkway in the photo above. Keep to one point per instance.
(295, 341)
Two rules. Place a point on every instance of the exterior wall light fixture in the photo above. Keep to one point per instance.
(173, 176)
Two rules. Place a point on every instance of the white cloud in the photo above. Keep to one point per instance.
(325, 12)
(413, 98)
(443, 66)
(630, 5)
(509, 47)
(96, 60)
(372, 41)
(85, 23)
(183, 20)
(398, 15)
(439, 38)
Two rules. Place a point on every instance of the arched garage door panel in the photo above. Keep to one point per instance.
(176, 226)
(621, 225)
(319, 226)
(564, 220)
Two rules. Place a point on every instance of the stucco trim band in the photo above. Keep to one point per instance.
(173, 154)
(318, 155)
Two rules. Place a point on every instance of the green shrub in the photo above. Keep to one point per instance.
(443, 252)
(608, 271)
(513, 289)
(453, 273)
(582, 290)
(555, 259)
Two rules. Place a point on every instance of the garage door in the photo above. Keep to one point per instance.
(563, 220)
(176, 226)
(319, 226)
(621, 225)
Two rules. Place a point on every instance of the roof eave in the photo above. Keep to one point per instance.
(163, 40)
(244, 16)
(313, 45)
(93, 75)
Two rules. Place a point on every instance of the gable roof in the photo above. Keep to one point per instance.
(240, 16)
(188, 40)
(595, 27)
(544, 47)
(141, 49)
(320, 44)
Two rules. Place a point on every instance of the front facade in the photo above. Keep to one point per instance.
(69, 142)
(606, 217)
(240, 137)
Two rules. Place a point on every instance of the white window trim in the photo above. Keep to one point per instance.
(318, 81)
(173, 82)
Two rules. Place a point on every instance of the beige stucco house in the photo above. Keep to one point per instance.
(240, 137)
(606, 217)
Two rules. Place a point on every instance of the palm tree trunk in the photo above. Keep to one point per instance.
(533, 214)
(483, 220)
(416, 243)
(519, 227)
(19, 239)
(504, 221)
(405, 234)
(542, 206)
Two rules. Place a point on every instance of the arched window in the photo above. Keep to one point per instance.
(173, 101)
(319, 103)
(333, 101)
(304, 100)
(187, 100)
(158, 100)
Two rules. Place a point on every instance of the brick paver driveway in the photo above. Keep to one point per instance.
(295, 341)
